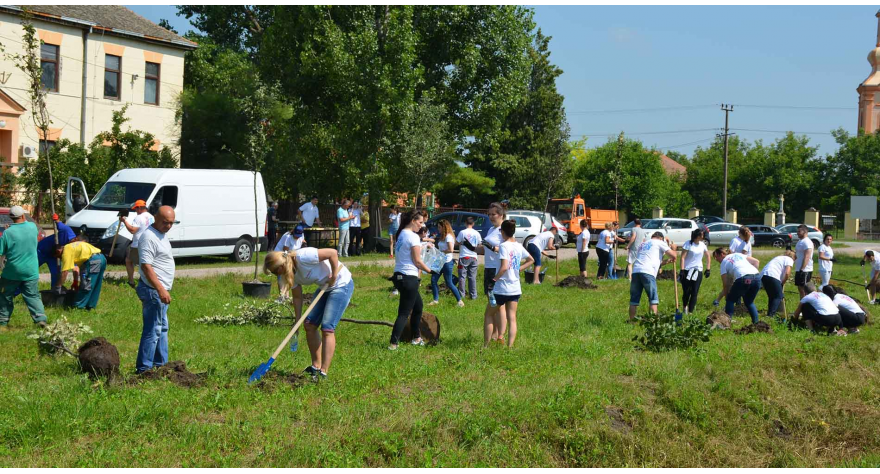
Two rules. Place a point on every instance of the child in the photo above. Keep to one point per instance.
(507, 285)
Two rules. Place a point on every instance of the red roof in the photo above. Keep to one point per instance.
(672, 167)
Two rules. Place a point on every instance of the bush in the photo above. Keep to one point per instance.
(663, 334)
(267, 314)
(60, 336)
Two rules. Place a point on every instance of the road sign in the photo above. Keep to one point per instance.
(863, 207)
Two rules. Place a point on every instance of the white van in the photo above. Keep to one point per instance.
(214, 209)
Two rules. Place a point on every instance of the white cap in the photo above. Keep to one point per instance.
(16, 211)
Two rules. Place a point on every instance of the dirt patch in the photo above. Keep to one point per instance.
(781, 431)
(617, 422)
(740, 311)
(577, 282)
(99, 358)
(666, 275)
(429, 329)
(760, 326)
(273, 379)
(718, 320)
(175, 372)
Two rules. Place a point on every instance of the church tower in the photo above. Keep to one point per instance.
(869, 90)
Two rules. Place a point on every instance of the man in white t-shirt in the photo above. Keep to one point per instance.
(468, 240)
(803, 264)
(308, 213)
(632, 246)
(543, 241)
(292, 240)
(138, 225)
(649, 259)
(157, 278)
(871, 258)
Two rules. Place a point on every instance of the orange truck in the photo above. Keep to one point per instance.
(570, 212)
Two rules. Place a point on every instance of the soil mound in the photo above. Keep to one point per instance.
(175, 372)
(718, 320)
(429, 329)
(578, 282)
(97, 357)
(666, 275)
(615, 415)
(760, 326)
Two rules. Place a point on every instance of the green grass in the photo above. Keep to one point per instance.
(573, 392)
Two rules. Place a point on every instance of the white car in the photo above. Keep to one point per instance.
(813, 233)
(678, 230)
(532, 221)
(723, 232)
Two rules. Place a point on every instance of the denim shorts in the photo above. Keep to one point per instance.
(535, 253)
(330, 308)
(501, 299)
(643, 281)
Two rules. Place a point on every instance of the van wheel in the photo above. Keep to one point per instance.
(243, 251)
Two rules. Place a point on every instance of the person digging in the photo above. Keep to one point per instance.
(88, 265)
(544, 241)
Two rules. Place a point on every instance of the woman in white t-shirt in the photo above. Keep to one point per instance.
(739, 275)
(406, 278)
(311, 266)
(583, 248)
(852, 315)
(513, 258)
(742, 242)
(494, 323)
(817, 309)
(446, 244)
(826, 260)
(603, 250)
(773, 278)
(691, 275)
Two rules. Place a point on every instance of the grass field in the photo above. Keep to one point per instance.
(573, 392)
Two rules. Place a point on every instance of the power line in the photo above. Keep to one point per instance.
(797, 107)
(780, 131)
(647, 133)
(650, 109)
(686, 144)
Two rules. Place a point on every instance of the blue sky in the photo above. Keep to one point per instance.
(621, 57)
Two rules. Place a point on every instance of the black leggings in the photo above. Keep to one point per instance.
(410, 306)
(582, 260)
(355, 236)
(773, 287)
(689, 290)
(848, 319)
(604, 260)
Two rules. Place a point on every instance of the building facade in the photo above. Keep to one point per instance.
(95, 60)
(869, 99)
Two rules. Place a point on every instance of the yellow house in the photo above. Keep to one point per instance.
(95, 60)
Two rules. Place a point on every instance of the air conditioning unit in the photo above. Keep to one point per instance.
(29, 151)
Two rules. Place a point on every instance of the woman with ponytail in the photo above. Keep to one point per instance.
(406, 278)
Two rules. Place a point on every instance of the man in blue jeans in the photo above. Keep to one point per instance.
(648, 262)
(157, 276)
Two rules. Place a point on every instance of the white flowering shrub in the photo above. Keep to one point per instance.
(266, 314)
(60, 336)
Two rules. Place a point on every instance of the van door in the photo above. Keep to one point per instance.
(167, 195)
(75, 198)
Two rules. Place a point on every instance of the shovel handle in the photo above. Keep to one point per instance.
(298, 323)
(675, 282)
(113, 245)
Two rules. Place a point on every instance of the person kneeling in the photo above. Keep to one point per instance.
(88, 265)
(311, 266)
(851, 314)
(817, 309)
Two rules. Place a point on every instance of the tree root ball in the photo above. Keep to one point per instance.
(760, 326)
(577, 281)
(665, 275)
(97, 357)
(718, 320)
(429, 329)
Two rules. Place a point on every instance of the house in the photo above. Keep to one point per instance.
(672, 167)
(95, 59)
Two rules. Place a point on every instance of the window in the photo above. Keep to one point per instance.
(116, 195)
(165, 196)
(49, 64)
(112, 73)
(151, 84)
(580, 209)
(46, 145)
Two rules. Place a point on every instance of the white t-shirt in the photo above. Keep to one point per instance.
(738, 245)
(311, 271)
(776, 268)
(493, 239)
(738, 265)
(650, 257)
(800, 250)
(403, 261)
(356, 217)
(826, 265)
(394, 219)
(694, 258)
(821, 302)
(155, 249)
(583, 241)
(447, 244)
(473, 237)
(542, 239)
(309, 212)
(142, 221)
(601, 244)
(287, 240)
(508, 282)
(847, 303)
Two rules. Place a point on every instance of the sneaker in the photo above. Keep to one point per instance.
(42, 324)
(322, 376)
(433, 303)
(418, 342)
(311, 370)
(394, 293)
(841, 332)
(875, 301)
(460, 303)
(392, 347)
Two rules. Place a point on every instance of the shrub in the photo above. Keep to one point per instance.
(267, 314)
(663, 334)
(60, 336)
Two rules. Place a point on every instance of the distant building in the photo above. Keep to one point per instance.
(95, 60)
(869, 100)
(672, 167)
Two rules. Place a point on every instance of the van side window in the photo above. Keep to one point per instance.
(165, 196)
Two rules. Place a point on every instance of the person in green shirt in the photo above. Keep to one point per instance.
(19, 244)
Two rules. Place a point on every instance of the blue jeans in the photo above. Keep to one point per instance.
(52, 263)
(330, 308)
(446, 271)
(153, 349)
(612, 275)
(747, 288)
(643, 281)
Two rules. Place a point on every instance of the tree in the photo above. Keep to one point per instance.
(465, 187)
(167, 25)
(424, 145)
(853, 170)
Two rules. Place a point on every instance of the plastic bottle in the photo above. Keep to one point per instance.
(294, 343)
(492, 302)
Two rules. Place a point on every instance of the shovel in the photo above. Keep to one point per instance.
(122, 213)
(557, 265)
(264, 368)
(784, 309)
(675, 286)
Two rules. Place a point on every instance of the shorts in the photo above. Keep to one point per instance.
(488, 282)
(643, 281)
(631, 257)
(329, 309)
(133, 256)
(535, 253)
(801, 278)
(501, 299)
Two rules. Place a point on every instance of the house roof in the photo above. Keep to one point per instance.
(672, 167)
(111, 19)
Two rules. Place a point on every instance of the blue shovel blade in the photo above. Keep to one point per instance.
(261, 371)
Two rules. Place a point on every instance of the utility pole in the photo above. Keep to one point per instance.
(727, 108)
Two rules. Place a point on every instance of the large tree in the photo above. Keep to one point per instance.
(853, 170)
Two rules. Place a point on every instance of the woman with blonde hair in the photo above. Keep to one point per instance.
(311, 266)
(445, 243)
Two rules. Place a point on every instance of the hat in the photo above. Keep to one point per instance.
(139, 203)
(298, 231)
(16, 211)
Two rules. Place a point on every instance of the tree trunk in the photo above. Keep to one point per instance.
(257, 229)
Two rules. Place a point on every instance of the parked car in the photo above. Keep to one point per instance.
(766, 235)
(678, 230)
(457, 221)
(6, 221)
(708, 220)
(626, 230)
(723, 232)
(813, 233)
(546, 220)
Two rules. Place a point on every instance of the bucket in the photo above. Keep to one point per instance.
(256, 289)
(53, 298)
(530, 275)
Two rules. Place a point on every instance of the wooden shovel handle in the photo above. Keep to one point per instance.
(298, 323)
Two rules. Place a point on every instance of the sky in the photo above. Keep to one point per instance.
(782, 68)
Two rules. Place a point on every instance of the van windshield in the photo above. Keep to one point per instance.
(117, 195)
